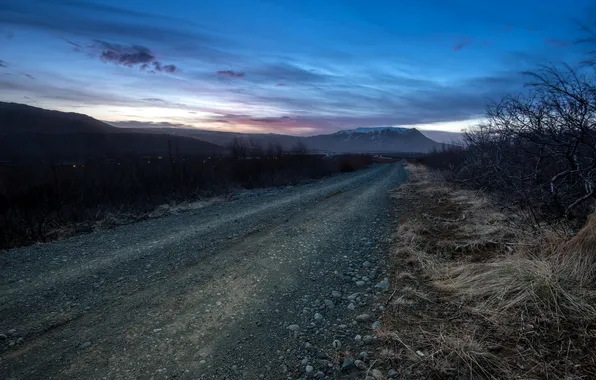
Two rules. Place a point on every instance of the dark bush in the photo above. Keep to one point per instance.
(40, 199)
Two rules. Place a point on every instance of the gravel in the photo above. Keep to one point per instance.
(223, 283)
(347, 364)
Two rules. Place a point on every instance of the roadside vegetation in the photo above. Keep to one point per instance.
(43, 201)
(480, 296)
(496, 245)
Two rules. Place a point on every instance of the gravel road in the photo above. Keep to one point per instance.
(273, 284)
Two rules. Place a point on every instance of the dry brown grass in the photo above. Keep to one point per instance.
(482, 296)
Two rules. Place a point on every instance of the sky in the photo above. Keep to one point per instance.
(298, 67)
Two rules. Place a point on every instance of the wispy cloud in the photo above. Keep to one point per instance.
(288, 73)
(148, 124)
(462, 44)
(3, 64)
(230, 74)
(271, 119)
(558, 43)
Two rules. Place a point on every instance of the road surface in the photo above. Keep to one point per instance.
(265, 286)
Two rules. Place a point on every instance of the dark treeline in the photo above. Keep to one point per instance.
(536, 149)
(41, 201)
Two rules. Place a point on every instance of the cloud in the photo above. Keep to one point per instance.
(271, 119)
(147, 124)
(156, 100)
(87, 19)
(75, 46)
(68, 92)
(558, 43)
(280, 85)
(88, 22)
(30, 76)
(288, 73)
(124, 55)
(230, 74)
(3, 64)
(396, 101)
(462, 44)
(165, 68)
(129, 56)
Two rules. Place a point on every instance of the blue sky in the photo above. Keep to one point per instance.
(282, 66)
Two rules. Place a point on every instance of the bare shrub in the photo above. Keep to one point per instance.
(537, 149)
(45, 201)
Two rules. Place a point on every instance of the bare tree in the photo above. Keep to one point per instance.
(300, 148)
(239, 148)
(539, 148)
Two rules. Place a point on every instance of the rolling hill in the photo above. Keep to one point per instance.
(31, 133)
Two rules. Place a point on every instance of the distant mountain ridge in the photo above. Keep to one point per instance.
(359, 140)
(28, 132)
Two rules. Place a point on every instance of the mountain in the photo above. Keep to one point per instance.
(31, 133)
(225, 139)
(360, 140)
(373, 140)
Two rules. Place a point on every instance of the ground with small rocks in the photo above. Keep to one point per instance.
(287, 284)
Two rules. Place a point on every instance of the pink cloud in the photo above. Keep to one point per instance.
(230, 74)
(557, 43)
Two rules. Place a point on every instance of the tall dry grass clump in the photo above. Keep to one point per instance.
(498, 294)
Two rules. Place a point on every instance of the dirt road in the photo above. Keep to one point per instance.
(259, 287)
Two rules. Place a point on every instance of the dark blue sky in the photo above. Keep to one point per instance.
(286, 66)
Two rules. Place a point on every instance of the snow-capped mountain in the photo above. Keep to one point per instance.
(373, 140)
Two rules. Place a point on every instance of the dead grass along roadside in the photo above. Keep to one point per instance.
(481, 297)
